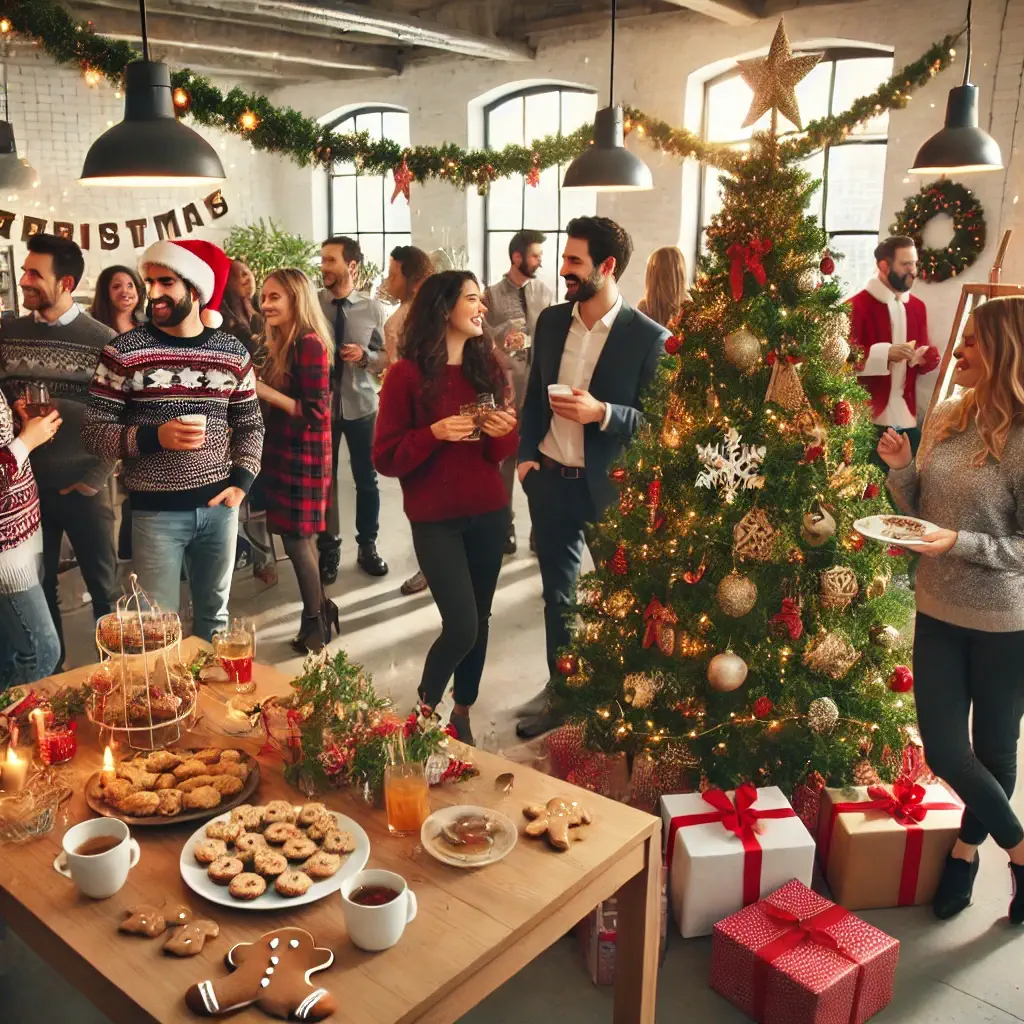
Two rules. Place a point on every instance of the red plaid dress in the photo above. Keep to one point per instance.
(296, 471)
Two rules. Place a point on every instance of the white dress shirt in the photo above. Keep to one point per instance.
(564, 439)
(71, 313)
(896, 413)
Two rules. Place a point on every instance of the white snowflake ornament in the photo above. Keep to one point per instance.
(731, 466)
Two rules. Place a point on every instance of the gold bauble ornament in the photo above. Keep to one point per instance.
(830, 654)
(736, 594)
(753, 537)
(743, 350)
(727, 672)
(818, 527)
(835, 348)
(838, 587)
(877, 587)
(807, 280)
(639, 688)
(822, 715)
(619, 604)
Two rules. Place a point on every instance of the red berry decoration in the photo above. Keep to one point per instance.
(901, 680)
(763, 707)
(617, 475)
(619, 563)
(871, 491)
(842, 413)
(567, 664)
(812, 453)
(827, 265)
(673, 345)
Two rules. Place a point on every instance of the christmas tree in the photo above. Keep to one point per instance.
(736, 626)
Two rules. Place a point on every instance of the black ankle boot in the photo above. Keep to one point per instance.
(955, 887)
(314, 635)
(1016, 913)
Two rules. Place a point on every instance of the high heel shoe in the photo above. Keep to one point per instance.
(331, 614)
(314, 635)
(1016, 912)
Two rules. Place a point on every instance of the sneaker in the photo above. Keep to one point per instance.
(955, 887)
(414, 585)
(370, 561)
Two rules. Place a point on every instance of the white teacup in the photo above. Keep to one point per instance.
(98, 875)
(194, 419)
(560, 390)
(374, 928)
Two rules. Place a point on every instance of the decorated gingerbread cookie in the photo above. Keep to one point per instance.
(272, 973)
(144, 919)
(189, 939)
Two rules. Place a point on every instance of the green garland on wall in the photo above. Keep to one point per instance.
(304, 140)
(968, 241)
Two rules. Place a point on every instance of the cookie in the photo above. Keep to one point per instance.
(196, 782)
(223, 869)
(231, 755)
(170, 802)
(227, 785)
(208, 850)
(292, 884)
(118, 789)
(247, 886)
(337, 841)
(165, 781)
(190, 768)
(202, 799)
(162, 761)
(269, 863)
(280, 832)
(190, 939)
(310, 813)
(321, 865)
(320, 828)
(229, 831)
(135, 772)
(144, 920)
(176, 914)
(211, 755)
(279, 810)
(142, 804)
(240, 771)
(248, 844)
(299, 849)
(249, 816)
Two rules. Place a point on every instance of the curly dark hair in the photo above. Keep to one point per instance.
(423, 341)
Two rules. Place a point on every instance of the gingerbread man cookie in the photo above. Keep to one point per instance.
(144, 920)
(188, 940)
(272, 972)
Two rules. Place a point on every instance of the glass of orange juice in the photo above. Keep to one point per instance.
(406, 797)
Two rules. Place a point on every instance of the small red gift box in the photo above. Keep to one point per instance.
(796, 958)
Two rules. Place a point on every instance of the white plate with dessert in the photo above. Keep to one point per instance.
(468, 837)
(902, 531)
(273, 856)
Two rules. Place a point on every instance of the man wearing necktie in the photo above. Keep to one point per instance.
(360, 358)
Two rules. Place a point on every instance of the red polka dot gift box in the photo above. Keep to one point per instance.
(796, 958)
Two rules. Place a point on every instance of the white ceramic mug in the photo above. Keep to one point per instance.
(380, 927)
(194, 419)
(98, 875)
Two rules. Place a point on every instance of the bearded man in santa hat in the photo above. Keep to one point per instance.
(175, 399)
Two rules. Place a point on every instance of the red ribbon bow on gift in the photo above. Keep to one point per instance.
(747, 257)
(743, 820)
(905, 803)
(656, 616)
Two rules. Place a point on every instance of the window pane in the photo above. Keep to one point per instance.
(373, 249)
(727, 104)
(369, 123)
(396, 126)
(344, 127)
(505, 203)
(396, 214)
(861, 77)
(343, 205)
(542, 114)
(855, 181)
(497, 254)
(369, 200)
(857, 264)
(505, 124)
(540, 204)
(812, 95)
(578, 108)
(712, 196)
(576, 202)
(548, 272)
(814, 165)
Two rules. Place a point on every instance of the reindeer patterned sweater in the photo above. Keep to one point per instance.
(147, 377)
(21, 544)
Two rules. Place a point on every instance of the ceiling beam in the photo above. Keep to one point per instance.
(732, 12)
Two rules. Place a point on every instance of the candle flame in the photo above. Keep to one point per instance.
(12, 756)
(108, 760)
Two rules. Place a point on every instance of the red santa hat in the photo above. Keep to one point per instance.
(203, 265)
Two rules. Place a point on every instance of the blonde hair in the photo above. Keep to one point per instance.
(307, 318)
(664, 284)
(996, 402)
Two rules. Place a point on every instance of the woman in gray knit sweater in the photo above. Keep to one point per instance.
(968, 479)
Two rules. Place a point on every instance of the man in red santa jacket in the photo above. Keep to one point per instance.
(889, 326)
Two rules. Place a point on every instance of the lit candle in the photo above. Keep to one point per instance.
(107, 775)
(38, 719)
(15, 772)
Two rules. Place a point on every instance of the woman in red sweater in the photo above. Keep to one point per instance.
(452, 488)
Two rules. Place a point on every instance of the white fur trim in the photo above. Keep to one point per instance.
(211, 318)
(184, 263)
(877, 362)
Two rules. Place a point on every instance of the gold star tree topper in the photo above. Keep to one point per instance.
(774, 79)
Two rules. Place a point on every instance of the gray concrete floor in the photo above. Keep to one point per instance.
(965, 971)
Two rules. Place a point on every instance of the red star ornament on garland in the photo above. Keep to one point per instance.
(533, 174)
(774, 79)
(403, 179)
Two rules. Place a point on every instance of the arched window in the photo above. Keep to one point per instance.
(519, 118)
(849, 202)
(359, 205)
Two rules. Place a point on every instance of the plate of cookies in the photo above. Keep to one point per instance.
(273, 856)
(168, 787)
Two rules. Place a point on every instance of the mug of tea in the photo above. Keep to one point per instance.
(377, 906)
(97, 856)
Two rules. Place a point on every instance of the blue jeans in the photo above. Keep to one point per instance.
(29, 645)
(204, 540)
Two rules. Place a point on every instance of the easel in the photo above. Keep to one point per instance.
(970, 297)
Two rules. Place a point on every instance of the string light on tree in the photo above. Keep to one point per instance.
(248, 121)
(182, 100)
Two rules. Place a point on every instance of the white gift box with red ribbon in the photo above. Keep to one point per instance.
(726, 850)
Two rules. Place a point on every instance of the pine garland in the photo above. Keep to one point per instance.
(304, 140)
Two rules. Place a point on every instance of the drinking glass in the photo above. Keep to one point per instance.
(37, 400)
(235, 647)
(406, 797)
(516, 340)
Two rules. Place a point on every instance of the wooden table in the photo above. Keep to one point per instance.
(474, 931)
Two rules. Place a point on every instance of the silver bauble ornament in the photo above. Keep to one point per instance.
(822, 715)
(743, 350)
(727, 672)
(736, 594)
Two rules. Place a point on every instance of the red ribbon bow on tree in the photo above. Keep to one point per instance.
(773, 357)
(657, 615)
(789, 619)
(747, 257)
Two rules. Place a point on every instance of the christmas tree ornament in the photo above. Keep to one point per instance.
(812, 453)
(763, 707)
(653, 504)
(747, 258)
(835, 346)
(773, 80)
(678, 423)
(659, 620)
(830, 654)
(618, 564)
(795, 556)
(753, 537)
(727, 672)
(619, 604)
(694, 575)
(827, 265)
(403, 179)
(847, 481)
(784, 387)
(730, 466)
(743, 350)
(901, 679)
(736, 595)
(864, 774)
(848, 450)
(689, 646)
(640, 689)
(533, 174)
(853, 541)
(808, 280)
(787, 621)
(617, 475)
(591, 632)
(870, 491)
(838, 587)
(842, 413)
(567, 664)
(818, 527)
(627, 501)
(673, 344)
(877, 587)
(822, 715)
(886, 637)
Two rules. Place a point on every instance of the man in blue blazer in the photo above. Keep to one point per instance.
(593, 358)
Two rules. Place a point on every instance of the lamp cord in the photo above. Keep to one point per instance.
(967, 62)
(145, 30)
(611, 83)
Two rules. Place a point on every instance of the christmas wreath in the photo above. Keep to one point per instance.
(968, 239)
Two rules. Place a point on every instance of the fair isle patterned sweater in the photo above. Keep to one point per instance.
(147, 377)
(20, 539)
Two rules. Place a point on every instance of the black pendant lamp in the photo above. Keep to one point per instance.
(150, 147)
(961, 146)
(607, 166)
(15, 171)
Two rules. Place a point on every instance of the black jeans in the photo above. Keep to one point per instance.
(89, 524)
(359, 438)
(561, 509)
(461, 559)
(958, 671)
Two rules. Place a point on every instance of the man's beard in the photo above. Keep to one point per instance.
(179, 312)
(528, 273)
(901, 284)
(36, 299)
(585, 289)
